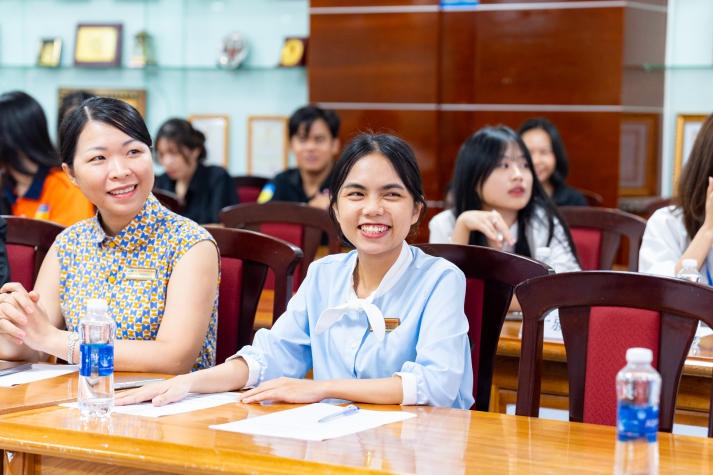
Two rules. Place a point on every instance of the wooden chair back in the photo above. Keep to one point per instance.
(298, 223)
(491, 277)
(28, 241)
(597, 234)
(245, 259)
(170, 200)
(602, 313)
(593, 199)
(249, 187)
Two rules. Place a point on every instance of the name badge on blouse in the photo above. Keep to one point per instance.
(140, 273)
(390, 324)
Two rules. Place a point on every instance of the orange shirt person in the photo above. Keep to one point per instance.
(33, 185)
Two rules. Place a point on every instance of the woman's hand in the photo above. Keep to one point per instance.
(159, 394)
(490, 223)
(21, 318)
(289, 390)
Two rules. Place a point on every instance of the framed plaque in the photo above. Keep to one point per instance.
(267, 145)
(135, 97)
(50, 52)
(216, 129)
(98, 45)
(687, 127)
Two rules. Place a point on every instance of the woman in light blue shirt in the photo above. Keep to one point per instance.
(382, 324)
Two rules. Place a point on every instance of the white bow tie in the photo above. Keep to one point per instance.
(332, 314)
(376, 319)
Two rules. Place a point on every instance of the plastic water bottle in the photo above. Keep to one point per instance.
(96, 364)
(638, 386)
(689, 271)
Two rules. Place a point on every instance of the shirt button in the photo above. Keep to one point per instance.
(354, 346)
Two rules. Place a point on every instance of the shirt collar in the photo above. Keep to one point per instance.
(376, 319)
(137, 232)
(34, 191)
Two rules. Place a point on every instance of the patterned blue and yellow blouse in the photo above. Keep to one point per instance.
(130, 271)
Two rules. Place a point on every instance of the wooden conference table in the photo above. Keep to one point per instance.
(54, 440)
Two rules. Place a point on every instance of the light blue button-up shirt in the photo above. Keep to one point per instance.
(429, 349)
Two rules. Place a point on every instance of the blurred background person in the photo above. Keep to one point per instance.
(314, 139)
(204, 189)
(549, 157)
(33, 185)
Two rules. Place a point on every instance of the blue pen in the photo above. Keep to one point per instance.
(347, 411)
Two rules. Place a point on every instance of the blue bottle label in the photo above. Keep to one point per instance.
(96, 359)
(636, 421)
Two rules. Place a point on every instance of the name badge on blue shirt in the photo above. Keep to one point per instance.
(140, 273)
(390, 324)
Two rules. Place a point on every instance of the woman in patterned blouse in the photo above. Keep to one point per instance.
(157, 271)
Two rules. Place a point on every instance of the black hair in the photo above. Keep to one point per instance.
(24, 133)
(394, 149)
(108, 110)
(70, 101)
(182, 133)
(559, 175)
(302, 119)
(477, 158)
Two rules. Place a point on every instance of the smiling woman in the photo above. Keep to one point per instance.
(336, 324)
(134, 254)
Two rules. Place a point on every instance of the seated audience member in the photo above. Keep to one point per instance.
(205, 189)
(500, 204)
(335, 324)
(70, 102)
(550, 161)
(314, 139)
(33, 185)
(685, 229)
(157, 271)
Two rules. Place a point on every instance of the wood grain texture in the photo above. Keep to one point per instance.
(467, 441)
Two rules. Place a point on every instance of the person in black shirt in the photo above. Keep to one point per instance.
(313, 134)
(204, 189)
(545, 145)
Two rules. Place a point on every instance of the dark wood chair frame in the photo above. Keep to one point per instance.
(36, 233)
(613, 224)
(593, 198)
(681, 305)
(501, 272)
(258, 252)
(252, 181)
(314, 222)
(169, 200)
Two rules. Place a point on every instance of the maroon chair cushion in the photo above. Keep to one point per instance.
(588, 242)
(231, 276)
(22, 264)
(612, 330)
(287, 232)
(474, 311)
(248, 194)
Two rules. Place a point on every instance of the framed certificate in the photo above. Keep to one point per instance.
(267, 145)
(216, 129)
(135, 97)
(98, 45)
(687, 127)
(49, 53)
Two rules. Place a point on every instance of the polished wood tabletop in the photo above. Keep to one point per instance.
(438, 440)
(42, 393)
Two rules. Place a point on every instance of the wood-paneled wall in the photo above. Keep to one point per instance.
(433, 75)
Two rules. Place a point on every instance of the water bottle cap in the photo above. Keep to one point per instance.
(639, 355)
(97, 306)
(689, 263)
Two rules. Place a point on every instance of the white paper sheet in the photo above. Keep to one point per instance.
(301, 422)
(38, 372)
(192, 402)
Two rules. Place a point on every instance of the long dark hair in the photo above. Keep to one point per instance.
(559, 175)
(477, 158)
(396, 150)
(693, 182)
